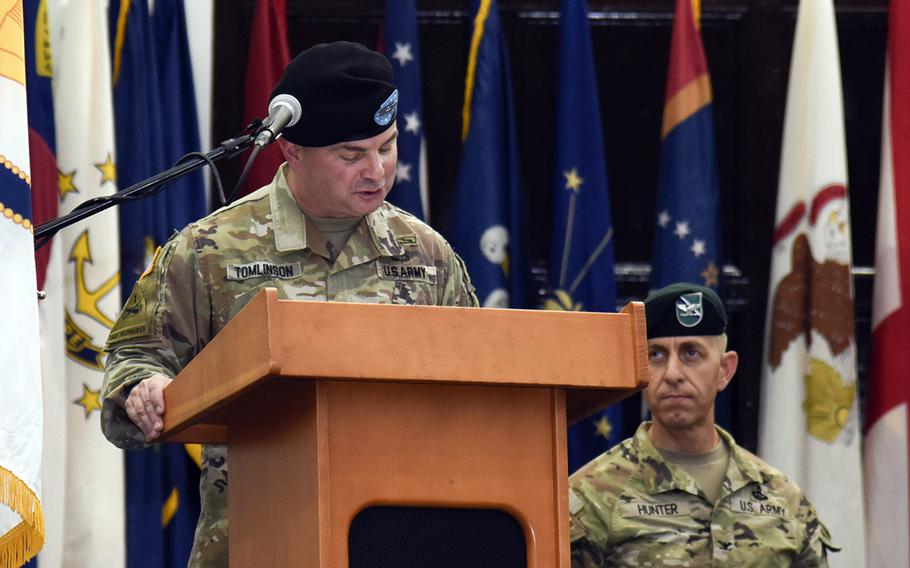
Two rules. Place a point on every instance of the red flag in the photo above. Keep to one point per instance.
(268, 56)
(886, 458)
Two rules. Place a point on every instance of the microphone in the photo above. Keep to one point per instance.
(284, 111)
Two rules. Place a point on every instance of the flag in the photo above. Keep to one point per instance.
(49, 261)
(581, 253)
(21, 517)
(402, 49)
(200, 15)
(808, 418)
(886, 454)
(487, 211)
(93, 496)
(687, 233)
(267, 58)
(155, 112)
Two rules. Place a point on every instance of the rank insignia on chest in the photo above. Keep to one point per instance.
(402, 271)
(263, 269)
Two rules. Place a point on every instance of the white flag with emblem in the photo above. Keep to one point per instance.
(21, 524)
(808, 422)
(93, 492)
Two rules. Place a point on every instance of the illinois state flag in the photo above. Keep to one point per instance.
(581, 253)
(403, 50)
(808, 420)
(886, 455)
(487, 210)
(21, 520)
(93, 524)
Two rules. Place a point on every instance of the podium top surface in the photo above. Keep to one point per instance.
(598, 357)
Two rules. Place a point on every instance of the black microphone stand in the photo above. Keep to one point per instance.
(191, 162)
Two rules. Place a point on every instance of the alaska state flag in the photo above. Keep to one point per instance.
(581, 254)
(401, 47)
(487, 212)
(156, 122)
(687, 234)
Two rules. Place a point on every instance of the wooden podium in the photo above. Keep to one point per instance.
(330, 408)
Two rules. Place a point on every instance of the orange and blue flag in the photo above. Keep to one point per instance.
(581, 253)
(686, 240)
(486, 226)
(687, 244)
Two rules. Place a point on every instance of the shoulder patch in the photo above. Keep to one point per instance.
(132, 322)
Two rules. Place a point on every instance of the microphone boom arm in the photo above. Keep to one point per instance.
(227, 149)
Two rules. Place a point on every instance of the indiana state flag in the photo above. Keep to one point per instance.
(581, 254)
(155, 109)
(401, 47)
(686, 240)
(487, 212)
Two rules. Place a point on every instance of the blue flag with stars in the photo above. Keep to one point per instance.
(155, 111)
(581, 253)
(487, 229)
(687, 234)
(401, 47)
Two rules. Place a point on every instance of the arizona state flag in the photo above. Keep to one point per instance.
(487, 228)
(886, 456)
(403, 50)
(808, 420)
(581, 253)
(267, 58)
(687, 233)
(21, 518)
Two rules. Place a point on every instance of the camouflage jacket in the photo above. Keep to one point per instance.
(629, 507)
(205, 274)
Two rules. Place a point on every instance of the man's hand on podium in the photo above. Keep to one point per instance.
(145, 406)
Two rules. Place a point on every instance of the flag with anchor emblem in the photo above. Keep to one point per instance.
(93, 494)
(581, 253)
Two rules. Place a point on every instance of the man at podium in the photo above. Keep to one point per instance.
(320, 231)
(680, 491)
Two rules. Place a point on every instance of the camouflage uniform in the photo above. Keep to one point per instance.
(629, 507)
(205, 275)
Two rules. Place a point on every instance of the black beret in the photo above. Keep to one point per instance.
(345, 90)
(685, 309)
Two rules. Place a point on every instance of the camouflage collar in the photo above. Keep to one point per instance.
(661, 476)
(290, 224)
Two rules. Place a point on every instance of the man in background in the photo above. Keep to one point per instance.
(680, 492)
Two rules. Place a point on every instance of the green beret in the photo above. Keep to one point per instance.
(685, 309)
(346, 93)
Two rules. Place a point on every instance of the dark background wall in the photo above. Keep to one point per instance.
(748, 46)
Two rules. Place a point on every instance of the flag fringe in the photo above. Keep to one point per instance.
(23, 542)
